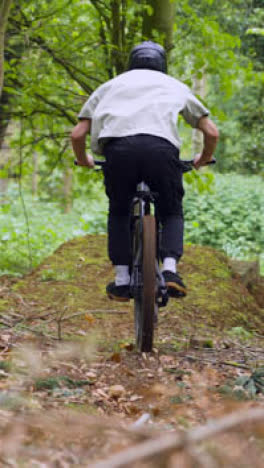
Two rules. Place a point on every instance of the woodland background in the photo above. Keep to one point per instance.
(72, 384)
(56, 53)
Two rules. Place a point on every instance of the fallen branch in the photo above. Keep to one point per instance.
(172, 442)
(37, 332)
(226, 363)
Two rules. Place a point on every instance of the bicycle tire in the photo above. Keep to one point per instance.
(144, 300)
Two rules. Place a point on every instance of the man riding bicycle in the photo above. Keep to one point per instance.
(133, 123)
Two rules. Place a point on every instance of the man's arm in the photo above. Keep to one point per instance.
(78, 138)
(211, 135)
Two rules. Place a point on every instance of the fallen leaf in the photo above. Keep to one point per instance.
(116, 357)
(91, 375)
(127, 346)
(5, 338)
(89, 318)
(116, 391)
(136, 398)
(100, 393)
(159, 389)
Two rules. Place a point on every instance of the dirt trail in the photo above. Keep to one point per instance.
(66, 348)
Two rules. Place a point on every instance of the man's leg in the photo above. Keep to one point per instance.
(119, 254)
(171, 252)
(164, 175)
(172, 237)
(120, 182)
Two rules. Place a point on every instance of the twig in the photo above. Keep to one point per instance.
(5, 349)
(255, 350)
(37, 332)
(78, 314)
(30, 256)
(105, 311)
(234, 364)
(141, 421)
(226, 363)
(172, 442)
(9, 325)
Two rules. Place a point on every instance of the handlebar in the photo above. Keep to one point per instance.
(185, 165)
(97, 162)
(189, 165)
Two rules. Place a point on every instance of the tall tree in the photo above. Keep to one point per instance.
(159, 19)
(4, 12)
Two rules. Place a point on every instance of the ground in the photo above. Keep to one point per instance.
(72, 382)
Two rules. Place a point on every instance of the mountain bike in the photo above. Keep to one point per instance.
(147, 285)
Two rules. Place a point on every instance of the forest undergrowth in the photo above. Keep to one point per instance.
(228, 217)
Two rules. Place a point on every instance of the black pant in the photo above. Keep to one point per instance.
(129, 160)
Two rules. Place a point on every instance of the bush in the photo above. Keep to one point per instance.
(231, 218)
(48, 228)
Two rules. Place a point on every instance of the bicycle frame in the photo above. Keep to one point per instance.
(141, 205)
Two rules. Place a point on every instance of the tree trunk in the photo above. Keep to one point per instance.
(4, 104)
(199, 86)
(118, 35)
(4, 156)
(3, 189)
(35, 174)
(161, 21)
(4, 12)
(67, 189)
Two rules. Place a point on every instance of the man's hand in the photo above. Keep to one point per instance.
(211, 136)
(78, 137)
(88, 163)
(199, 161)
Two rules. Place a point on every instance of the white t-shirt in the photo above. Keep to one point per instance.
(140, 101)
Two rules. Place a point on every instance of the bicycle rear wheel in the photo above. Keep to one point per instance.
(144, 299)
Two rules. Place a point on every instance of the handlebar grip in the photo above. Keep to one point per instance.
(213, 161)
(97, 162)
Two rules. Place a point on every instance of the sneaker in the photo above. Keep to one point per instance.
(174, 283)
(118, 293)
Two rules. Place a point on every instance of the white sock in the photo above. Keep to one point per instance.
(122, 276)
(169, 264)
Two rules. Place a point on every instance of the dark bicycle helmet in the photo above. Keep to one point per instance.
(148, 55)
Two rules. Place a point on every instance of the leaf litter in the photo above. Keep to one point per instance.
(70, 402)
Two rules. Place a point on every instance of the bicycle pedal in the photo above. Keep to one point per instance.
(117, 298)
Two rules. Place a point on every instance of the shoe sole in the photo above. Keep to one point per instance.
(175, 290)
(117, 298)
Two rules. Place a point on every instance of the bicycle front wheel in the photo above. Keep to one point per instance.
(144, 300)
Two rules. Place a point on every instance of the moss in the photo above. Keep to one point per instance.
(3, 304)
(50, 383)
(83, 408)
(80, 270)
(5, 366)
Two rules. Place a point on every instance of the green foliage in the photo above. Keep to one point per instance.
(64, 61)
(230, 218)
(48, 228)
(5, 366)
(54, 62)
(241, 144)
(51, 275)
(240, 333)
(252, 384)
(51, 383)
